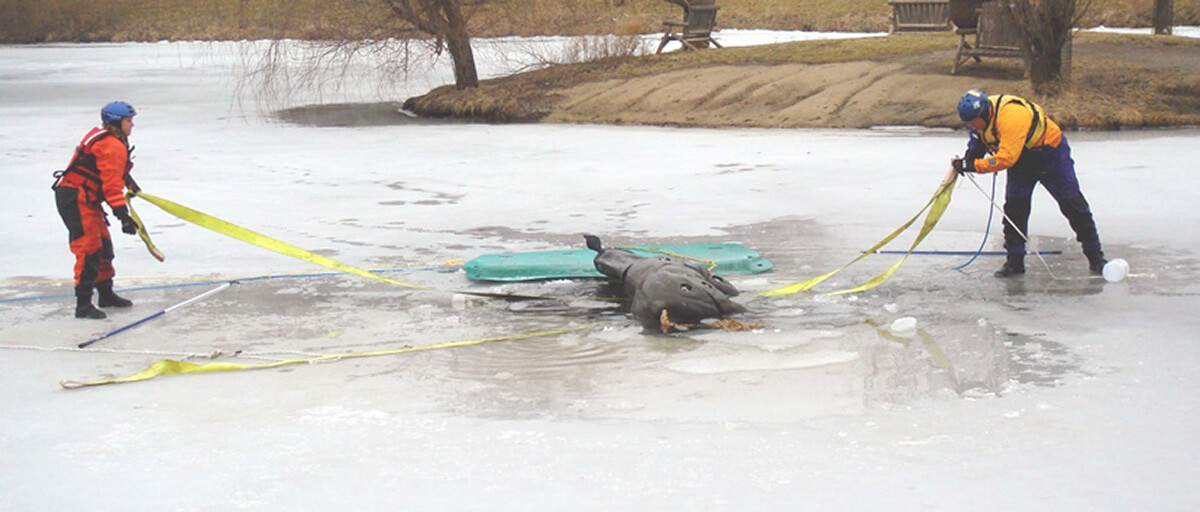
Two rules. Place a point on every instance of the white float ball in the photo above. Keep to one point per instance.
(904, 326)
(1115, 270)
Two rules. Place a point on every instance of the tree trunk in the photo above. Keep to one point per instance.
(444, 20)
(465, 74)
(1163, 18)
(458, 42)
(1045, 28)
(1045, 71)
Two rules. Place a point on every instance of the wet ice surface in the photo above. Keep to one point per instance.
(1030, 394)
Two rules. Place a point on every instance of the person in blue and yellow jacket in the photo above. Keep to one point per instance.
(98, 173)
(1013, 133)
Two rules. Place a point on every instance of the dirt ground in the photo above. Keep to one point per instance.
(1115, 82)
(839, 95)
(911, 91)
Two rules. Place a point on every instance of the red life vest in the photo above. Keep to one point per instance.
(83, 172)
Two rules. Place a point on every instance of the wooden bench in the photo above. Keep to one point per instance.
(920, 15)
(695, 32)
(995, 36)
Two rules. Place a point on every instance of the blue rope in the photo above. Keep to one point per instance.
(212, 282)
(988, 229)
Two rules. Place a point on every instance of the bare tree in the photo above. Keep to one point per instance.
(1163, 17)
(444, 20)
(388, 36)
(1045, 27)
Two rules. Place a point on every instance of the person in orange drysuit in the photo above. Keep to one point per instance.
(98, 173)
(1016, 134)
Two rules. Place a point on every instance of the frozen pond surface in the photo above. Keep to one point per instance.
(1035, 394)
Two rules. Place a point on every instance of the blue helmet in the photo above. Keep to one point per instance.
(115, 111)
(972, 105)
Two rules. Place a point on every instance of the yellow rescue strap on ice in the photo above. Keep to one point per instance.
(232, 230)
(939, 201)
(173, 367)
(141, 231)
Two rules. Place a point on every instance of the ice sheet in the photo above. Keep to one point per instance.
(1036, 394)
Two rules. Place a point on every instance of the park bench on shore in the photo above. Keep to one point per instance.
(991, 33)
(920, 15)
(695, 32)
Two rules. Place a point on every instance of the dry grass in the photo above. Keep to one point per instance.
(1137, 13)
(1132, 82)
(531, 95)
(154, 20)
(1124, 89)
(150, 20)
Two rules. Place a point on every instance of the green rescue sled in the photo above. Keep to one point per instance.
(721, 259)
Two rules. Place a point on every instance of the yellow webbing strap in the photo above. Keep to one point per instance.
(158, 255)
(939, 201)
(232, 230)
(173, 367)
(938, 357)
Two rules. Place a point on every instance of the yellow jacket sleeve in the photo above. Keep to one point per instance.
(1012, 125)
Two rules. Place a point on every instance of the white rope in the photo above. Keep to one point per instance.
(1011, 224)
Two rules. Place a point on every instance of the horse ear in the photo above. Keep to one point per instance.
(593, 243)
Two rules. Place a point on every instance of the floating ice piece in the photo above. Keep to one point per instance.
(753, 284)
(768, 341)
(1115, 270)
(905, 326)
(760, 361)
(614, 334)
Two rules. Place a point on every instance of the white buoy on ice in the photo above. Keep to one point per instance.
(904, 326)
(1115, 270)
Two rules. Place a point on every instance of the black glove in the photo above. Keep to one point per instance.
(128, 225)
(131, 184)
(963, 165)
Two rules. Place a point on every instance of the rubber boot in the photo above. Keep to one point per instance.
(109, 299)
(83, 304)
(1096, 262)
(1013, 266)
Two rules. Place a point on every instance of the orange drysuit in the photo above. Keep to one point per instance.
(97, 173)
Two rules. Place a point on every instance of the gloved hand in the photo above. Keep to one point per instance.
(128, 225)
(963, 165)
(131, 184)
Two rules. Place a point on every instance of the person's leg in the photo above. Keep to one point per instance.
(83, 221)
(1017, 204)
(1061, 182)
(104, 278)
